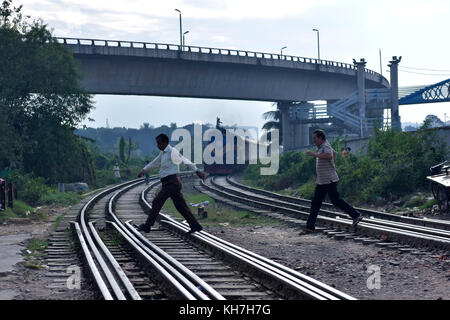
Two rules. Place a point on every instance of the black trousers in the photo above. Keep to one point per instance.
(319, 195)
(171, 187)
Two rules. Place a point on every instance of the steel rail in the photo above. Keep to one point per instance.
(92, 247)
(92, 267)
(176, 264)
(365, 226)
(376, 217)
(426, 222)
(307, 286)
(293, 205)
(189, 279)
(119, 271)
(171, 277)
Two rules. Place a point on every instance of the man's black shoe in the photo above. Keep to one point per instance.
(199, 228)
(357, 220)
(143, 227)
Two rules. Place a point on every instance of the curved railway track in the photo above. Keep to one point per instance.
(383, 229)
(167, 263)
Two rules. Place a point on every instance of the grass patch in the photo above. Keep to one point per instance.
(33, 265)
(219, 213)
(428, 204)
(35, 253)
(24, 210)
(19, 210)
(250, 183)
(415, 202)
(61, 198)
(112, 237)
(57, 222)
(37, 245)
(7, 214)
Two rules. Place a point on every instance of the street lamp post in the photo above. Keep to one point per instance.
(282, 51)
(181, 31)
(184, 42)
(318, 43)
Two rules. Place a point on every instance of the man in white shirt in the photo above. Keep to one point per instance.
(169, 160)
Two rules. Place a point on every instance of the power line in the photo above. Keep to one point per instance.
(423, 69)
(427, 74)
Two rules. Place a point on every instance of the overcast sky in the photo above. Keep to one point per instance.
(416, 30)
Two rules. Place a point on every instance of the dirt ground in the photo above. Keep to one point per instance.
(346, 265)
(343, 264)
(19, 282)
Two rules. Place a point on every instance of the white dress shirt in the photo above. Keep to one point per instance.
(169, 160)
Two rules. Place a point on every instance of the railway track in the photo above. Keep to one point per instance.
(167, 263)
(382, 229)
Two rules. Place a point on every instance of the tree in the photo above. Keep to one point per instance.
(122, 149)
(40, 96)
(10, 147)
(433, 121)
(274, 122)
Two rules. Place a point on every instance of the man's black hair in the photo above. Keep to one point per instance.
(163, 137)
(320, 134)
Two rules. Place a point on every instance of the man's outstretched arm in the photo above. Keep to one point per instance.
(326, 156)
(187, 162)
(150, 165)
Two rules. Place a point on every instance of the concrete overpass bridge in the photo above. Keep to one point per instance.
(140, 68)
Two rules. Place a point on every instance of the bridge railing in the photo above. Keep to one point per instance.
(206, 50)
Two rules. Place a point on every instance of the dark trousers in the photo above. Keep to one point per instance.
(319, 194)
(171, 187)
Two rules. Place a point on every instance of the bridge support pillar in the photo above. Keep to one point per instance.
(395, 116)
(295, 134)
(361, 87)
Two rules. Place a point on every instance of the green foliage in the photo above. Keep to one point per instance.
(122, 149)
(274, 122)
(428, 204)
(37, 245)
(218, 213)
(105, 177)
(34, 191)
(61, 198)
(307, 189)
(10, 146)
(396, 164)
(7, 214)
(143, 139)
(295, 169)
(31, 188)
(414, 202)
(40, 101)
(21, 210)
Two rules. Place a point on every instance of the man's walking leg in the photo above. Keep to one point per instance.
(340, 203)
(157, 204)
(182, 207)
(319, 195)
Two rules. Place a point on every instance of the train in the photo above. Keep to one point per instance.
(226, 168)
